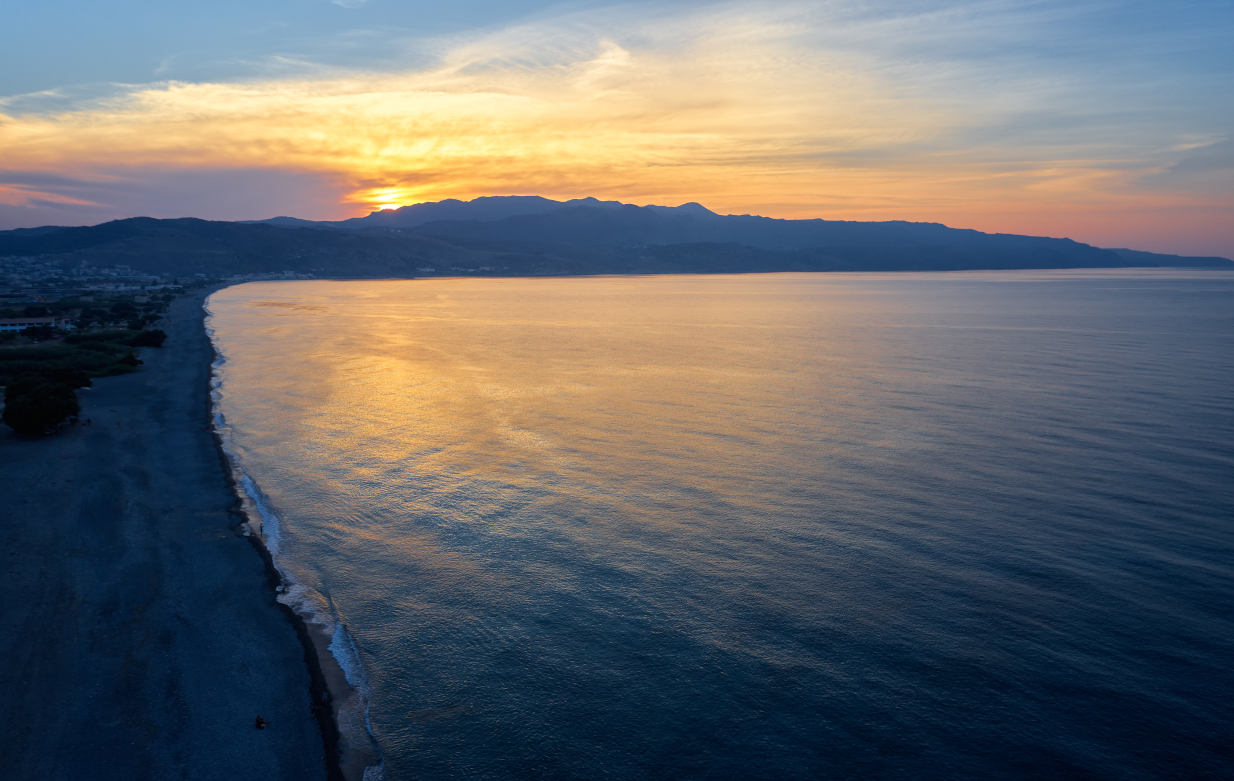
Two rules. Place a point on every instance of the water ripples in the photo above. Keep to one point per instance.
(801, 526)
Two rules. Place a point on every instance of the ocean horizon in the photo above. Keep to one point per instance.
(934, 525)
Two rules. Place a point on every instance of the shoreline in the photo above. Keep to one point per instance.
(328, 686)
(320, 697)
(142, 638)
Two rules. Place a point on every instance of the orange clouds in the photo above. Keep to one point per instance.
(743, 112)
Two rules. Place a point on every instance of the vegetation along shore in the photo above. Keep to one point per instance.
(141, 633)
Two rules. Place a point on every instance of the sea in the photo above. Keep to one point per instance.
(966, 525)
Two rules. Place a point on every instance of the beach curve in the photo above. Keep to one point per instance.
(340, 703)
(142, 637)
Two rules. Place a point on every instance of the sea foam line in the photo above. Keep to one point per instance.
(353, 722)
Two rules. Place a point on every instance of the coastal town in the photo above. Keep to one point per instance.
(60, 329)
(40, 300)
(62, 325)
(47, 279)
(40, 294)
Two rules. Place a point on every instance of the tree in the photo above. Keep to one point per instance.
(123, 310)
(38, 332)
(37, 405)
(93, 313)
(153, 338)
(66, 375)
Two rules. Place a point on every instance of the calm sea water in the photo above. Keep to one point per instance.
(919, 526)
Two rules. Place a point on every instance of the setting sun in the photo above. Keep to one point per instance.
(617, 389)
(791, 111)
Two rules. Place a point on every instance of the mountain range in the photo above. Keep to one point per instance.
(530, 235)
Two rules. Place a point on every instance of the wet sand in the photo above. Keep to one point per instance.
(139, 630)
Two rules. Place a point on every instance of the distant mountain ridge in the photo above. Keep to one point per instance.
(484, 209)
(595, 223)
(531, 235)
(1138, 258)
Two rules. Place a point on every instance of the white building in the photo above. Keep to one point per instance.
(22, 323)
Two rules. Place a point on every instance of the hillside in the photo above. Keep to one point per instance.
(537, 236)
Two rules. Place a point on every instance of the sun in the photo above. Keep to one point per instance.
(384, 199)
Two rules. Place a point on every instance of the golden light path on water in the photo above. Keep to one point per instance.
(800, 523)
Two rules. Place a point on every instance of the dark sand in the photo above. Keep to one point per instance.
(139, 633)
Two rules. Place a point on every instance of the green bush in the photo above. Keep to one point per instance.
(97, 347)
(116, 369)
(71, 376)
(123, 310)
(37, 405)
(153, 338)
(39, 332)
(94, 358)
(98, 336)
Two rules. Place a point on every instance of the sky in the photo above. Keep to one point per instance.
(1108, 122)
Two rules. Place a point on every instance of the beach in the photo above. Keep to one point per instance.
(140, 631)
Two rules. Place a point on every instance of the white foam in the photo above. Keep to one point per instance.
(271, 525)
(310, 605)
(375, 772)
(343, 647)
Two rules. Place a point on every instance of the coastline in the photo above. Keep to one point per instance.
(141, 635)
(321, 698)
(329, 690)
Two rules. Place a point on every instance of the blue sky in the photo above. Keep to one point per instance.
(54, 43)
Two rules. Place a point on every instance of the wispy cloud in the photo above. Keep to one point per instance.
(966, 112)
(1207, 168)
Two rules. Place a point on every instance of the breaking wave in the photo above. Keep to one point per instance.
(312, 606)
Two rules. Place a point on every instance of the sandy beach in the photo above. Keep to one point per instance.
(139, 630)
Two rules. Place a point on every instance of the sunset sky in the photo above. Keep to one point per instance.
(1107, 122)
